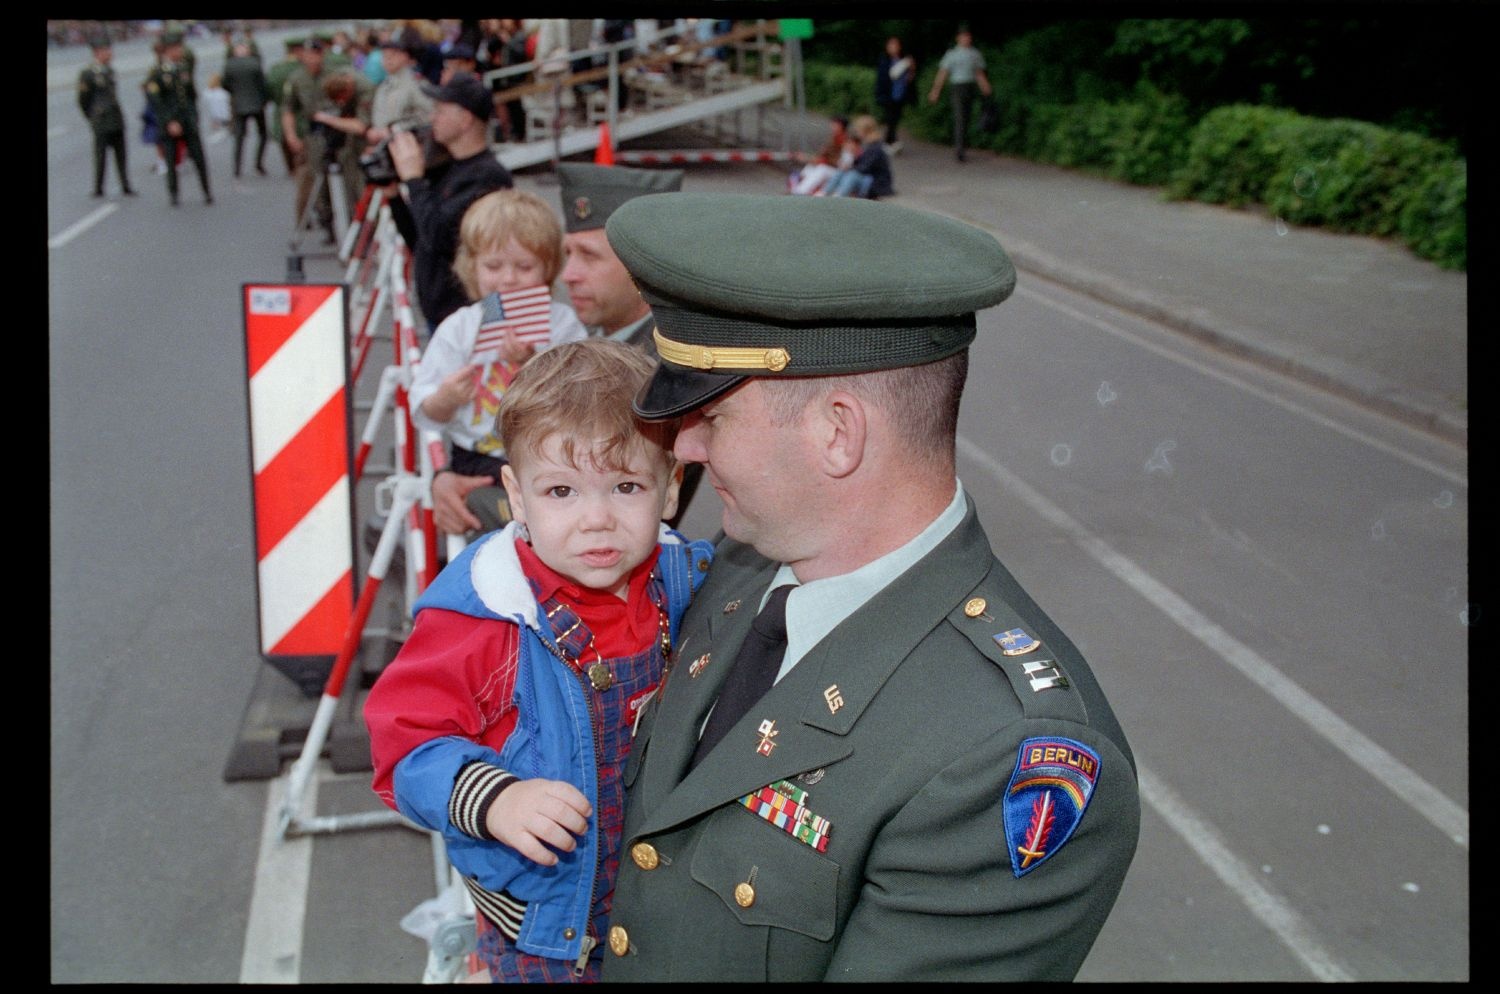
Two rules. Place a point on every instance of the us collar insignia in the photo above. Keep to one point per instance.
(784, 805)
(697, 666)
(582, 208)
(1047, 795)
(1016, 642)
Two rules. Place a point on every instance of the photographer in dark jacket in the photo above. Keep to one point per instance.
(460, 116)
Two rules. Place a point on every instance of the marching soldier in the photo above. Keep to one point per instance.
(101, 107)
(174, 101)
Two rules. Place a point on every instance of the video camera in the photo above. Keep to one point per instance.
(377, 164)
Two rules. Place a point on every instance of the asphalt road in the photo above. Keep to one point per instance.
(1271, 585)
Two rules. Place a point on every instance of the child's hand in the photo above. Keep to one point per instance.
(459, 387)
(515, 351)
(530, 815)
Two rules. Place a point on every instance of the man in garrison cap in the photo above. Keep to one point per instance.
(873, 756)
(599, 290)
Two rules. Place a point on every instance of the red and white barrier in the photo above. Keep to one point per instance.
(296, 361)
(682, 156)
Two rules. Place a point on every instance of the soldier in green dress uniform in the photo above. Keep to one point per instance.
(899, 768)
(174, 101)
(101, 108)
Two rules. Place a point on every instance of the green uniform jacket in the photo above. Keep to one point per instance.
(276, 77)
(903, 727)
(97, 100)
(302, 94)
(170, 91)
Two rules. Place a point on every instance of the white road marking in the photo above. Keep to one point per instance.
(1450, 818)
(278, 902)
(1269, 908)
(1327, 422)
(59, 240)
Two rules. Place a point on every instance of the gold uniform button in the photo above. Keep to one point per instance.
(744, 895)
(568, 934)
(975, 607)
(644, 854)
(619, 940)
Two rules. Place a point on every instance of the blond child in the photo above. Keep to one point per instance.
(508, 240)
(216, 99)
(505, 720)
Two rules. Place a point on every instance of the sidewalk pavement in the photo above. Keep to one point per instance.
(1358, 316)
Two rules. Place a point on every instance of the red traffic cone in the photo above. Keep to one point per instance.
(604, 155)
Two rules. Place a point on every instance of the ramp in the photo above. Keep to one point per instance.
(677, 83)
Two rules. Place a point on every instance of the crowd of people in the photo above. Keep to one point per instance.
(839, 742)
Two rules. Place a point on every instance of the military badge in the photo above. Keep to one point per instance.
(697, 665)
(784, 805)
(1046, 798)
(767, 732)
(1016, 642)
(582, 208)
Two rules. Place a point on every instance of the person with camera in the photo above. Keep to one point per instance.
(399, 99)
(460, 119)
(344, 120)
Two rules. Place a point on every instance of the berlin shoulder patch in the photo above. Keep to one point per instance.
(1046, 797)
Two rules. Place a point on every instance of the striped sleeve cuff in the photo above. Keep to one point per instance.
(474, 790)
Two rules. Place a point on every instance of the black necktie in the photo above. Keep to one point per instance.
(753, 672)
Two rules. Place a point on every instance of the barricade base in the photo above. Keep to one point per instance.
(280, 715)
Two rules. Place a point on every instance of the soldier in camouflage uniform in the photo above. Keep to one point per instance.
(100, 106)
(276, 78)
(174, 101)
(301, 97)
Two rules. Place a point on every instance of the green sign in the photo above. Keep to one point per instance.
(787, 28)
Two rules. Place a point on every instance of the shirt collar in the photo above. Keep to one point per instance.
(818, 607)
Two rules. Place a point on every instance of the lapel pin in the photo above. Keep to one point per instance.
(834, 698)
(731, 607)
(698, 665)
(767, 732)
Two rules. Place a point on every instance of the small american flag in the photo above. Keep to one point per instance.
(524, 313)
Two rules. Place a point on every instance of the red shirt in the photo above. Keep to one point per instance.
(456, 673)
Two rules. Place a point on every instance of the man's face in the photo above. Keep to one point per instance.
(172, 53)
(103, 55)
(394, 59)
(598, 284)
(449, 122)
(758, 468)
(311, 59)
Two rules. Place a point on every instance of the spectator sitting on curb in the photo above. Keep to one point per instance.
(869, 175)
(830, 159)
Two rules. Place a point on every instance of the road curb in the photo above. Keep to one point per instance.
(1333, 375)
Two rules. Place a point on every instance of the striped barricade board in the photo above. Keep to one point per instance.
(297, 371)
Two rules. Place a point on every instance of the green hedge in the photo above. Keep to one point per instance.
(1344, 175)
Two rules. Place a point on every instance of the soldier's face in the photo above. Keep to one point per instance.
(599, 287)
(103, 55)
(759, 468)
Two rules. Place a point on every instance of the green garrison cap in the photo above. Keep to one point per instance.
(743, 285)
(591, 193)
